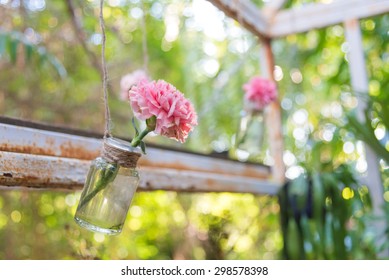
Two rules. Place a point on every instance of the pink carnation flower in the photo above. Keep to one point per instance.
(175, 115)
(260, 92)
(129, 80)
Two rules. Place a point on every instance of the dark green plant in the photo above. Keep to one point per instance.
(321, 216)
(376, 113)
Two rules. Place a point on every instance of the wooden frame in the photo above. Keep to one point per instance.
(271, 22)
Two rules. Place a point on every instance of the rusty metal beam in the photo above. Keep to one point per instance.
(20, 139)
(42, 171)
(47, 172)
(50, 159)
(28, 140)
(194, 181)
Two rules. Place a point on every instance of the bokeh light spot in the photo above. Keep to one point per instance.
(16, 216)
(347, 193)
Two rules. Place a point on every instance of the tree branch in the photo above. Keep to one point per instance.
(80, 34)
(81, 37)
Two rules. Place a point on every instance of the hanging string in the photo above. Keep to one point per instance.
(144, 39)
(107, 130)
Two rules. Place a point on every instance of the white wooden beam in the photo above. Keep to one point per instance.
(318, 15)
(275, 4)
(281, 23)
(272, 7)
(246, 13)
(360, 84)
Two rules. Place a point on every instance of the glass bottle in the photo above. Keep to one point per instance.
(250, 137)
(109, 188)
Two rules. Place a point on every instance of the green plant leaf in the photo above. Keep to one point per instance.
(143, 146)
(294, 242)
(12, 48)
(104, 176)
(366, 133)
(57, 65)
(29, 50)
(134, 126)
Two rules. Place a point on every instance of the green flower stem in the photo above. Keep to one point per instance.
(138, 139)
(245, 132)
(106, 176)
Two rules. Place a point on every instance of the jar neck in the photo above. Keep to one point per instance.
(124, 158)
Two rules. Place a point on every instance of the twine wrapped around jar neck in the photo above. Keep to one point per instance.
(123, 157)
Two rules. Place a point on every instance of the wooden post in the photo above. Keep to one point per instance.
(360, 84)
(273, 116)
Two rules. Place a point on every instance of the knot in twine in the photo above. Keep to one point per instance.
(124, 158)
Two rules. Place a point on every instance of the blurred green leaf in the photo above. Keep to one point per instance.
(10, 41)
(12, 49)
(365, 132)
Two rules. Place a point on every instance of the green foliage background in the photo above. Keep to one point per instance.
(47, 75)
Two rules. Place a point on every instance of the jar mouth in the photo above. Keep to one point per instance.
(121, 145)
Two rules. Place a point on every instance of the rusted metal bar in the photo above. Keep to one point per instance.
(47, 172)
(27, 140)
(37, 157)
(42, 171)
(43, 142)
(194, 181)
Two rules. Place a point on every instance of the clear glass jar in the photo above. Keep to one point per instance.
(250, 138)
(108, 191)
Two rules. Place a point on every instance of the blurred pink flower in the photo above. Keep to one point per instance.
(175, 115)
(260, 92)
(129, 80)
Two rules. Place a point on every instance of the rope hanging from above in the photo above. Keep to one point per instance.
(107, 130)
(144, 39)
(163, 123)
